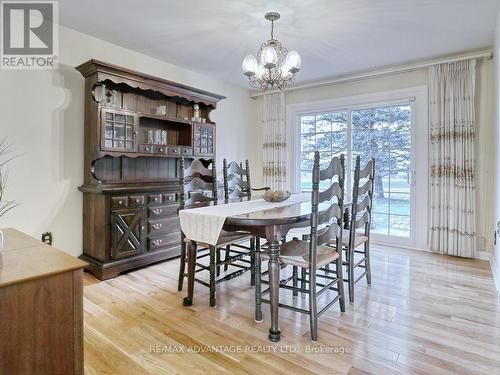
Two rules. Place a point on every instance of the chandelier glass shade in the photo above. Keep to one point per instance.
(274, 65)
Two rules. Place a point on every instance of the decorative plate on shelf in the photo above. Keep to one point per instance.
(276, 195)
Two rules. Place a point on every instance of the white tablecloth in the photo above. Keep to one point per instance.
(204, 224)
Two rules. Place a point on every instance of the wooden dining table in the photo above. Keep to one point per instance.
(271, 224)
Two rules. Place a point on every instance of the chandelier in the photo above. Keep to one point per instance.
(274, 66)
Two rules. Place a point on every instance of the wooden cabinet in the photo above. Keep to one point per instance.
(41, 308)
(137, 127)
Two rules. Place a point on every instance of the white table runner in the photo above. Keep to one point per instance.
(204, 224)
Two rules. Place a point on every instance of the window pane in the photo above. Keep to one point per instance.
(323, 141)
(308, 124)
(399, 226)
(380, 204)
(119, 131)
(324, 159)
(109, 130)
(309, 142)
(323, 123)
(307, 161)
(380, 223)
(129, 132)
(339, 141)
(400, 204)
(306, 181)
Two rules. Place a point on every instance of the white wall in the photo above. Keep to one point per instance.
(495, 154)
(484, 140)
(42, 115)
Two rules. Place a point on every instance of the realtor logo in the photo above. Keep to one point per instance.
(29, 35)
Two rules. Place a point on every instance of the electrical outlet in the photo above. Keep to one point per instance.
(47, 238)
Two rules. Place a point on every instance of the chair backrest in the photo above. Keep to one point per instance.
(236, 180)
(198, 182)
(362, 198)
(332, 215)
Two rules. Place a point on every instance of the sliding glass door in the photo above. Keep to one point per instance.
(380, 132)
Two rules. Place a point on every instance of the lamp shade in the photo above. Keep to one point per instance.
(293, 61)
(285, 71)
(249, 65)
(269, 57)
(261, 71)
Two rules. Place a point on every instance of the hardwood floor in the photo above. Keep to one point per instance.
(423, 314)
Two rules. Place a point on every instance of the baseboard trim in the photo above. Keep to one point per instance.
(495, 270)
(481, 255)
(484, 255)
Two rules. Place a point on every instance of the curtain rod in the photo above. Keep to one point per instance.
(343, 78)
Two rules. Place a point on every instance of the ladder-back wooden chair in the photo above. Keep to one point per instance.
(237, 185)
(198, 184)
(359, 226)
(316, 255)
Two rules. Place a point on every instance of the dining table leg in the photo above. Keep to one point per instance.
(274, 288)
(188, 301)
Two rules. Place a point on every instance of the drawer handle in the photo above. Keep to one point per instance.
(157, 242)
(157, 226)
(169, 198)
(155, 199)
(147, 148)
(120, 203)
(137, 200)
(162, 150)
(157, 211)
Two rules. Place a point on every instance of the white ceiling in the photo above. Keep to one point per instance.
(333, 36)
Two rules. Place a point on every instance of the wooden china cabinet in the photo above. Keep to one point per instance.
(136, 129)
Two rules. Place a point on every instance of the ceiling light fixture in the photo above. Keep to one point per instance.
(274, 65)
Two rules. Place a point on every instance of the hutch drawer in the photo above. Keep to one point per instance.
(154, 198)
(186, 151)
(169, 197)
(163, 225)
(119, 202)
(162, 211)
(145, 149)
(165, 241)
(174, 150)
(135, 200)
(162, 150)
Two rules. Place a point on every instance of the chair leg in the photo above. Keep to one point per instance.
(212, 275)
(367, 263)
(226, 265)
(295, 281)
(182, 266)
(252, 261)
(192, 249)
(313, 308)
(350, 275)
(217, 261)
(303, 275)
(258, 276)
(340, 283)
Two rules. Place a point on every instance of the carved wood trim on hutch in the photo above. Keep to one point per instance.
(136, 128)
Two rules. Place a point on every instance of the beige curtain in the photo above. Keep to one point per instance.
(452, 190)
(274, 141)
